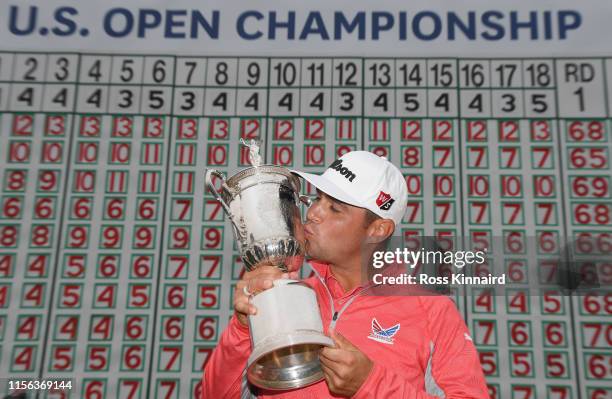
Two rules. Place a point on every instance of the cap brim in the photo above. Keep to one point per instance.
(328, 188)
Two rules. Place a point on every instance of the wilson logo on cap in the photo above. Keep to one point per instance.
(343, 170)
(384, 201)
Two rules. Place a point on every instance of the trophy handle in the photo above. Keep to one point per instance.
(213, 190)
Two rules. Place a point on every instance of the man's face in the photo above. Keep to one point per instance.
(334, 231)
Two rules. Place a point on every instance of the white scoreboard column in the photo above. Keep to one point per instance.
(585, 133)
(35, 135)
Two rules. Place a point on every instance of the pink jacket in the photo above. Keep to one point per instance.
(431, 354)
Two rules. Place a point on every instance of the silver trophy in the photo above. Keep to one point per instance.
(287, 332)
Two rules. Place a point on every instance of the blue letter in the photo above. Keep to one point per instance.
(212, 29)
(548, 34)
(68, 23)
(241, 21)
(575, 20)
(416, 25)
(378, 26)
(129, 22)
(468, 30)
(172, 23)
(289, 25)
(340, 22)
(487, 20)
(515, 25)
(314, 25)
(145, 23)
(31, 21)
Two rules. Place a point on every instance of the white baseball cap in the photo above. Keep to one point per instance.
(364, 179)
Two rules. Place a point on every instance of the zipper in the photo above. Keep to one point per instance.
(336, 314)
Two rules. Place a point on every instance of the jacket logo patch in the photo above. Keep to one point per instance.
(384, 201)
(343, 170)
(384, 335)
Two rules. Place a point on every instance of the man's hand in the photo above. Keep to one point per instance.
(255, 281)
(346, 368)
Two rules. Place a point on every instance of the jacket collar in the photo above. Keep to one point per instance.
(336, 290)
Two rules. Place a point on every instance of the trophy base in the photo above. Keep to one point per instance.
(287, 334)
(287, 361)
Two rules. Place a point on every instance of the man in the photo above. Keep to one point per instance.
(427, 351)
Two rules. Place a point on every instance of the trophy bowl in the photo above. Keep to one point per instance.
(287, 332)
(261, 203)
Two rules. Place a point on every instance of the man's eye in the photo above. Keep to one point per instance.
(334, 209)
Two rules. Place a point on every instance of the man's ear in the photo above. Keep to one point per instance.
(380, 229)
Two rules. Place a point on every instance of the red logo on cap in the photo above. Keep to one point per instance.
(384, 201)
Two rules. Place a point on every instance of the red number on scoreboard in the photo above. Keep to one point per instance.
(19, 152)
(23, 124)
(135, 327)
(187, 129)
(74, 266)
(139, 295)
(78, 236)
(414, 184)
(144, 237)
(48, 180)
(175, 296)
(108, 266)
(97, 358)
(206, 328)
(132, 357)
(122, 126)
(172, 328)
(62, 358)
(508, 131)
(94, 389)
(488, 361)
(55, 125)
(588, 157)
(219, 129)
(540, 130)
(411, 130)
(315, 129)
(284, 129)
(250, 128)
(153, 127)
(90, 126)
(208, 296)
(554, 334)
(586, 131)
(52, 152)
(141, 266)
(411, 156)
(444, 186)
(315, 155)
(477, 130)
(521, 364)
(442, 130)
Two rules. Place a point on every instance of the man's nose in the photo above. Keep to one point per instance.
(314, 212)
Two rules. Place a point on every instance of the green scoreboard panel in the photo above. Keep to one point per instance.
(117, 265)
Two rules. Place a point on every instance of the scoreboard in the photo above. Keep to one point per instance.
(117, 266)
